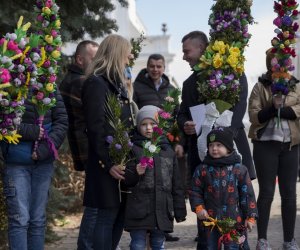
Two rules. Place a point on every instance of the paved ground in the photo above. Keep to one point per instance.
(186, 230)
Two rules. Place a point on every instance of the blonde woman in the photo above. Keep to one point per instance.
(105, 75)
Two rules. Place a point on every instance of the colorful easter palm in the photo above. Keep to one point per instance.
(283, 46)
(222, 63)
(48, 24)
(18, 68)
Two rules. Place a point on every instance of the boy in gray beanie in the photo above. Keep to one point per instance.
(146, 112)
(158, 197)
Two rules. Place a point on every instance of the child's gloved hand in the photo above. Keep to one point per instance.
(202, 215)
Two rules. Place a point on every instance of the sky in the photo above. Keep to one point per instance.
(182, 17)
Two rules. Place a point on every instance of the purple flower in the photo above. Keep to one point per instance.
(48, 48)
(52, 18)
(287, 21)
(277, 21)
(109, 139)
(130, 144)
(118, 146)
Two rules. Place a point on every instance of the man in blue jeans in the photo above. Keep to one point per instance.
(70, 89)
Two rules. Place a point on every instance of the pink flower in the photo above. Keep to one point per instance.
(164, 115)
(54, 33)
(147, 162)
(2, 41)
(48, 3)
(11, 45)
(47, 64)
(5, 75)
(157, 130)
(40, 18)
(52, 78)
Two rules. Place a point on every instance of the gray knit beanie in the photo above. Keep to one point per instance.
(148, 111)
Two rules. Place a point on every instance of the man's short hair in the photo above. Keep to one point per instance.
(201, 36)
(155, 57)
(82, 46)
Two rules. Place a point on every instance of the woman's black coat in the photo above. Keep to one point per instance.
(101, 189)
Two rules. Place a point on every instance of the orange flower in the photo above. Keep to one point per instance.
(281, 75)
(170, 137)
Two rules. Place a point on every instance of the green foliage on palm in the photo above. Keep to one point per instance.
(77, 17)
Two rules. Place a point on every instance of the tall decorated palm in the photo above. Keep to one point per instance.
(283, 48)
(48, 25)
(222, 64)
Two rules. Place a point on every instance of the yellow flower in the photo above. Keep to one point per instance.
(43, 57)
(46, 11)
(16, 56)
(14, 138)
(281, 46)
(57, 23)
(240, 68)
(19, 23)
(219, 46)
(49, 39)
(55, 54)
(203, 65)
(217, 61)
(205, 60)
(49, 87)
(26, 26)
(287, 43)
(234, 50)
(232, 60)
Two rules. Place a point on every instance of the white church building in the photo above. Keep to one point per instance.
(131, 26)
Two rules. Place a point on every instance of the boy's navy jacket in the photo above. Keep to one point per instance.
(158, 197)
(223, 187)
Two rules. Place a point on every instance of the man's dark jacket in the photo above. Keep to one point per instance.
(70, 89)
(145, 92)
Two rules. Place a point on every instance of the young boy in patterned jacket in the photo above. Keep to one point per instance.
(221, 187)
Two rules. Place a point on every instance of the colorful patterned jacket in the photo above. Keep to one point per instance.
(223, 187)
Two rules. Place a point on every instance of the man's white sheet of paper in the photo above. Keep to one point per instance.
(198, 116)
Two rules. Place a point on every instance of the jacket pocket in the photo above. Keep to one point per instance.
(138, 206)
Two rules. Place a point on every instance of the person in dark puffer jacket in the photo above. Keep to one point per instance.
(151, 87)
(158, 197)
(27, 176)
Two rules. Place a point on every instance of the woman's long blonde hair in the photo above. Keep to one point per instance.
(110, 59)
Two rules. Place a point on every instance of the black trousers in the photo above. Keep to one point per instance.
(275, 159)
